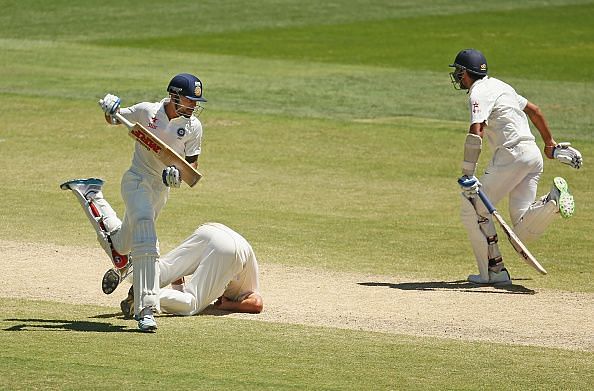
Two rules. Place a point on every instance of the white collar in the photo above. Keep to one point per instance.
(477, 82)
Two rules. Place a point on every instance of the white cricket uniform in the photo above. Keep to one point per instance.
(517, 163)
(514, 170)
(219, 262)
(145, 194)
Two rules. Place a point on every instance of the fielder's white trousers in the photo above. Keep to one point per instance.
(210, 257)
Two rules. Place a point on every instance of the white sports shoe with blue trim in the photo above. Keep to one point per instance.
(146, 321)
(501, 278)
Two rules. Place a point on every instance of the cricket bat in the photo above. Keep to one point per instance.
(511, 235)
(163, 152)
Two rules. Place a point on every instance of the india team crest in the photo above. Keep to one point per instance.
(197, 88)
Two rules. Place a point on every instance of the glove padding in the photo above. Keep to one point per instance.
(171, 177)
(110, 104)
(568, 155)
(470, 185)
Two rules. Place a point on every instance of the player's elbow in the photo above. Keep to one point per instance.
(533, 110)
(256, 304)
(537, 112)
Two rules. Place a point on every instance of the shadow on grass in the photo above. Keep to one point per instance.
(66, 325)
(460, 285)
(210, 310)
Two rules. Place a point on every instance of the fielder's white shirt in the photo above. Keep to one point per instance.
(501, 108)
(183, 135)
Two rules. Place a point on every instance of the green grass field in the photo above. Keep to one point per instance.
(333, 139)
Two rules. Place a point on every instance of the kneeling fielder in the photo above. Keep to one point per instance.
(218, 265)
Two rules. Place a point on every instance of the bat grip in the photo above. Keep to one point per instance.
(486, 201)
(123, 120)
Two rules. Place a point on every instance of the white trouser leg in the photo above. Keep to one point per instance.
(144, 199)
(536, 220)
(176, 302)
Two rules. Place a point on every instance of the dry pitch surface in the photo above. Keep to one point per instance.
(387, 304)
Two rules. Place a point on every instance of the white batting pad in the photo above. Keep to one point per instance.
(478, 241)
(111, 222)
(144, 239)
(146, 283)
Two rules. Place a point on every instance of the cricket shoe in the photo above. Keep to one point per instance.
(87, 192)
(146, 321)
(561, 195)
(501, 278)
(127, 305)
(112, 278)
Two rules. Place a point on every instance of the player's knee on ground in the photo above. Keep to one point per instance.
(176, 302)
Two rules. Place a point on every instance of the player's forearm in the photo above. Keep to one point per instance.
(252, 304)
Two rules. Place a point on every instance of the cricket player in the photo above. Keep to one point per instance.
(219, 266)
(498, 112)
(145, 187)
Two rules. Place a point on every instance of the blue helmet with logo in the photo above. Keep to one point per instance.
(186, 85)
(472, 61)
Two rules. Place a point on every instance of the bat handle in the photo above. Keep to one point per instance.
(123, 120)
(486, 201)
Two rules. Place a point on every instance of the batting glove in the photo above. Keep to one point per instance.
(110, 104)
(171, 177)
(568, 155)
(470, 185)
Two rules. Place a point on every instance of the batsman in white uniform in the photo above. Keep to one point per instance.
(498, 112)
(145, 188)
(213, 265)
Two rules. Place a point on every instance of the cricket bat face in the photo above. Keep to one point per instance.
(518, 245)
(165, 154)
(511, 235)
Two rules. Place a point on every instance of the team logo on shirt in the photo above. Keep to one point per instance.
(153, 123)
(475, 107)
(181, 132)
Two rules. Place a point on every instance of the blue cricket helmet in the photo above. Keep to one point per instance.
(186, 85)
(471, 60)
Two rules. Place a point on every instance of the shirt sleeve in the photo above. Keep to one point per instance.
(193, 145)
(132, 113)
(522, 102)
(480, 109)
